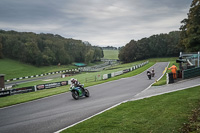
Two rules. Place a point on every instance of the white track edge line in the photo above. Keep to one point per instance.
(91, 116)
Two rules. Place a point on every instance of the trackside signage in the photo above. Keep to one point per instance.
(22, 90)
(32, 88)
(51, 85)
(4, 93)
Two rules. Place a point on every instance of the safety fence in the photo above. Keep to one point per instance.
(93, 78)
(185, 74)
(41, 75)
(97, 67)
(61, 72)
(110, 75)
(190, 73)
(33, 88)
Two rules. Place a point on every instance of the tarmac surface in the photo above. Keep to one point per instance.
(159, 90)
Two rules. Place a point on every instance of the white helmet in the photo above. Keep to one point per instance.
(72, 80)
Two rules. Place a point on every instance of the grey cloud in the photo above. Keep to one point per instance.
(101, 22)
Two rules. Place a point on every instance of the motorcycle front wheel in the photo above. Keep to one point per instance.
(75, 95)
(87, 94)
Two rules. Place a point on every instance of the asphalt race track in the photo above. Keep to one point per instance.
(51, 114)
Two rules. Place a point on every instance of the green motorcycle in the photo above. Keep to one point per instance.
(77, 92)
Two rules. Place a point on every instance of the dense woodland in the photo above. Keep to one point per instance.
(46, 49)
(163, 45)
(166, 45)
(190, 29)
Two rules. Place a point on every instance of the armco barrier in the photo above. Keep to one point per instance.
(170, 78)
(106, 76)
(32, 88)
(51, 85)
(22, 90)
(41, 75)
(190, 73)
(4, 93)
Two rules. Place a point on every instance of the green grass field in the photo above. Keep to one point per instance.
(160, 114)
(16, 69)
(110, 54)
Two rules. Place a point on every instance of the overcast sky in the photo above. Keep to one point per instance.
(100, 22)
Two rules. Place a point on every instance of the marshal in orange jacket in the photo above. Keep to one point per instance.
(173, 69)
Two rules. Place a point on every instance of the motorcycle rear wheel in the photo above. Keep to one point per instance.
(75, 95)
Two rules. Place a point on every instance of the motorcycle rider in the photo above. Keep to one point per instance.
(149, 74)
(77, 84)
(152, 72)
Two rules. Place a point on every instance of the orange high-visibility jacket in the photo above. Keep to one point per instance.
(173, 69)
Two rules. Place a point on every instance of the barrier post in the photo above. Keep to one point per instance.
(198, 58)
(2, 82)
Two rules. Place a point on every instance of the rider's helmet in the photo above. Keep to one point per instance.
(72, 80)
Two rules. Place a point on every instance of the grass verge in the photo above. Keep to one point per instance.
(165, 113)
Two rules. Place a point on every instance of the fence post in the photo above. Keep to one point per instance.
(35, 88)
(198, 57)
(167, 77)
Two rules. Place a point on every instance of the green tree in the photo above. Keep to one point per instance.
(48, 56)
(31, 53)
(129, 52)
(89, 56)
(190, 35)
(1, 48)
(45, 49)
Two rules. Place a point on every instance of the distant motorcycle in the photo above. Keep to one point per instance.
(152, 74)
(77, 92)
(149, 74)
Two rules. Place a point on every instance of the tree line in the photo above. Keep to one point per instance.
(162, 45)
(46, 49)
(166, 45)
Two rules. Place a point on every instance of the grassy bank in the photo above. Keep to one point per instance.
(16, 69)
(110, 54)
(165, 113)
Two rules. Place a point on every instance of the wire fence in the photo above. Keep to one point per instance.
(93, 78)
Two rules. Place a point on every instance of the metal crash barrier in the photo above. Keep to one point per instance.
(190, 73)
